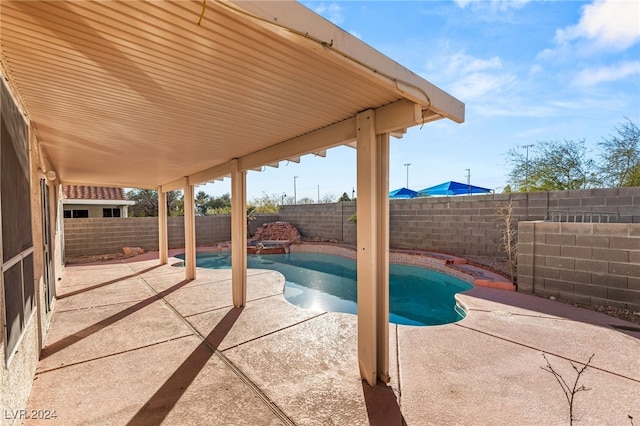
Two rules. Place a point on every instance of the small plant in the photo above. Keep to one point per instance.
(570, 391)
(509, 238)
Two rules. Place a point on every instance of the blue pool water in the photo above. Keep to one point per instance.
(417, 296)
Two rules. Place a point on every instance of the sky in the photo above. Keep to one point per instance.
(527, 71)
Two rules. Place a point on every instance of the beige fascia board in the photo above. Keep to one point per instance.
(398, 115)
(394, 117)
(105, 183)
(297, 23)
(176, 184)
(79, 202)
(326, 137)
(214, 173)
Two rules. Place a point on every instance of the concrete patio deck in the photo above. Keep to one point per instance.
(132, 343)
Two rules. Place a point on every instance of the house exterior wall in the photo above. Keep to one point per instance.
(17, 371)
(590, 263)
(94, 210)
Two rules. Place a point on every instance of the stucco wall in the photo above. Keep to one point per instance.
(591, 263)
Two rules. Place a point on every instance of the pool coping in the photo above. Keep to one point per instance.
(449, 264)
(455, 266)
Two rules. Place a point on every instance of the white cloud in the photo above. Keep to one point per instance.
(606, 23)
(593, 76)
(332, 11)
(470, 78)
(482, 86)
(535, 69)
(461, 63)
(500, 5)
(513, 109)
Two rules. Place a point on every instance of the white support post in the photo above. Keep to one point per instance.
(372, 246)
(382, 261)
(189, 232)
(238, 234)
(163, 240)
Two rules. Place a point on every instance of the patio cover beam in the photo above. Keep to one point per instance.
(395, 116)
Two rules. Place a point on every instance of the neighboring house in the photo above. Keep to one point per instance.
(94, 201)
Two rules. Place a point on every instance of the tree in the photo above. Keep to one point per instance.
(328, 198)
(221, 202)
(552, 166)
(344, 197)
(175, 203)
(203, 203)
(306, 200)
(147, 203)
(620, 156)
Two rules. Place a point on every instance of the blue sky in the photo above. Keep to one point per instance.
(527, 71)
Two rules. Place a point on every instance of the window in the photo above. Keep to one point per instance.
(17, 244)
(68, 214)
(111, 212)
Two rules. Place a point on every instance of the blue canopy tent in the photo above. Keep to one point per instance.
(403, 193)
(454, 188)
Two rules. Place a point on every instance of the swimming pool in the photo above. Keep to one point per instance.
(322, 282)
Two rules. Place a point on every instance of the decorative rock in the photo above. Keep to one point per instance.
(277, 231)
(132, 251)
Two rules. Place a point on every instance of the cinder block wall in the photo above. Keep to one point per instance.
(465, 225)
(325, 221)
(591, 263)
(109, 235)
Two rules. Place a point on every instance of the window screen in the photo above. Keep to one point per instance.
(15, 196)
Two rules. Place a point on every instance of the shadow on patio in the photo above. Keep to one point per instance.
(150, 348)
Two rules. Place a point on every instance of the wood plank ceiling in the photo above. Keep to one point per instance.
(138, 94)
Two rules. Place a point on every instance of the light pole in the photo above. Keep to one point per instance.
(283, 197)
(295, 198)
(318, 194)
(407, 166)
(468, 180)
(526, 167)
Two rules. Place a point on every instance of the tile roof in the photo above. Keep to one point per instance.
(79, 192)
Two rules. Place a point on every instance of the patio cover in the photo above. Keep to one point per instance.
(454, 188)
(403, 193)
(170, 94)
